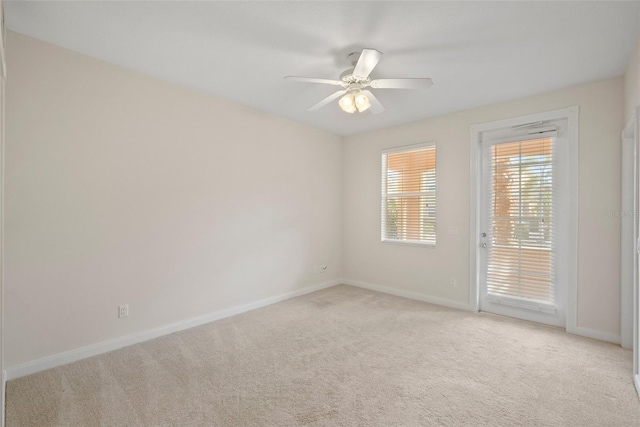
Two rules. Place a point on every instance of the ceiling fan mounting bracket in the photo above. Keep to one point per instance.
(353, 57)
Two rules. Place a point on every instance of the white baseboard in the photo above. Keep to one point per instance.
(636, 382)
(408, 294)
(116, 343)
(585, 332)
(594, 334)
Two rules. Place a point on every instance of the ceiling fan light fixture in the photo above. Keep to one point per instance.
(348, 103)
(350, 110)
(362, 102)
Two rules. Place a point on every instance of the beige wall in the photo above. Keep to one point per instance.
(427, 270)
(632, 83)
(121, 188)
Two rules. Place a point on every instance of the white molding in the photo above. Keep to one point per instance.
(628, 262)
(632, 130)
(596, 335)
(537, 117)
(523, 137)
(116, 343)
(409, 294)
(572, 234)
(474, 217)
(3, 75)
(4, 393)
(636, 382)
(390, 150)
(629, 129)
(572, 116)
(584, 332)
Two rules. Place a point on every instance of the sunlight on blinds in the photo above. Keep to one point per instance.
(409, 195)
(520, 261)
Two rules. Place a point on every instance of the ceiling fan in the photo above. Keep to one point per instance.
(355, 81)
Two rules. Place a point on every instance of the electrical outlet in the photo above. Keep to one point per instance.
(123, 310)
(452, 282)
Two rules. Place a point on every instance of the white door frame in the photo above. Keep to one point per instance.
(630, 287)
(570, 114)
(3, 75)
(629, 223)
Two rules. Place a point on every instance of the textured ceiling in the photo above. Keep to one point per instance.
(477, 53)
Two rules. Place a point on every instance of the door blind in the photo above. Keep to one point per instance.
(409, 195)
(521, 227)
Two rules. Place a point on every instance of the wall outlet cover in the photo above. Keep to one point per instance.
(123, 310)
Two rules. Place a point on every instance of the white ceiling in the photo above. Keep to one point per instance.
(477, 53)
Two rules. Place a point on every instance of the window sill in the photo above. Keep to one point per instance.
(410, 243)
(525, 303)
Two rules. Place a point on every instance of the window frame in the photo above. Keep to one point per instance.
(384, 195)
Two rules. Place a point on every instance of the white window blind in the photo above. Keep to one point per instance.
(409, 195)
(521, 225)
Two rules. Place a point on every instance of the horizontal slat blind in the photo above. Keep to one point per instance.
(409, 195)
(520, 258)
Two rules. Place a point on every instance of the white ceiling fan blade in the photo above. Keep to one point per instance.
(327, 100)
(376, 107)
(314, 80)
(401, 83)
(369, 58)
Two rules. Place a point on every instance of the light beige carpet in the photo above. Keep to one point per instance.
(341, 357)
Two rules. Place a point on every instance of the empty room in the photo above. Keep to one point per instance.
(331, 213)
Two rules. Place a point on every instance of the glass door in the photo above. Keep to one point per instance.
(520, 235)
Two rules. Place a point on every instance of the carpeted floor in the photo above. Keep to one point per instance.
(341, 357)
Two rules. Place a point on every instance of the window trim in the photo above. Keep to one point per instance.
(383, 195)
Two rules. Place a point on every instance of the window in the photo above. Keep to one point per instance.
(409, 194)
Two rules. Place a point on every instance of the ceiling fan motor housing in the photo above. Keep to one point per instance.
(347, 75)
